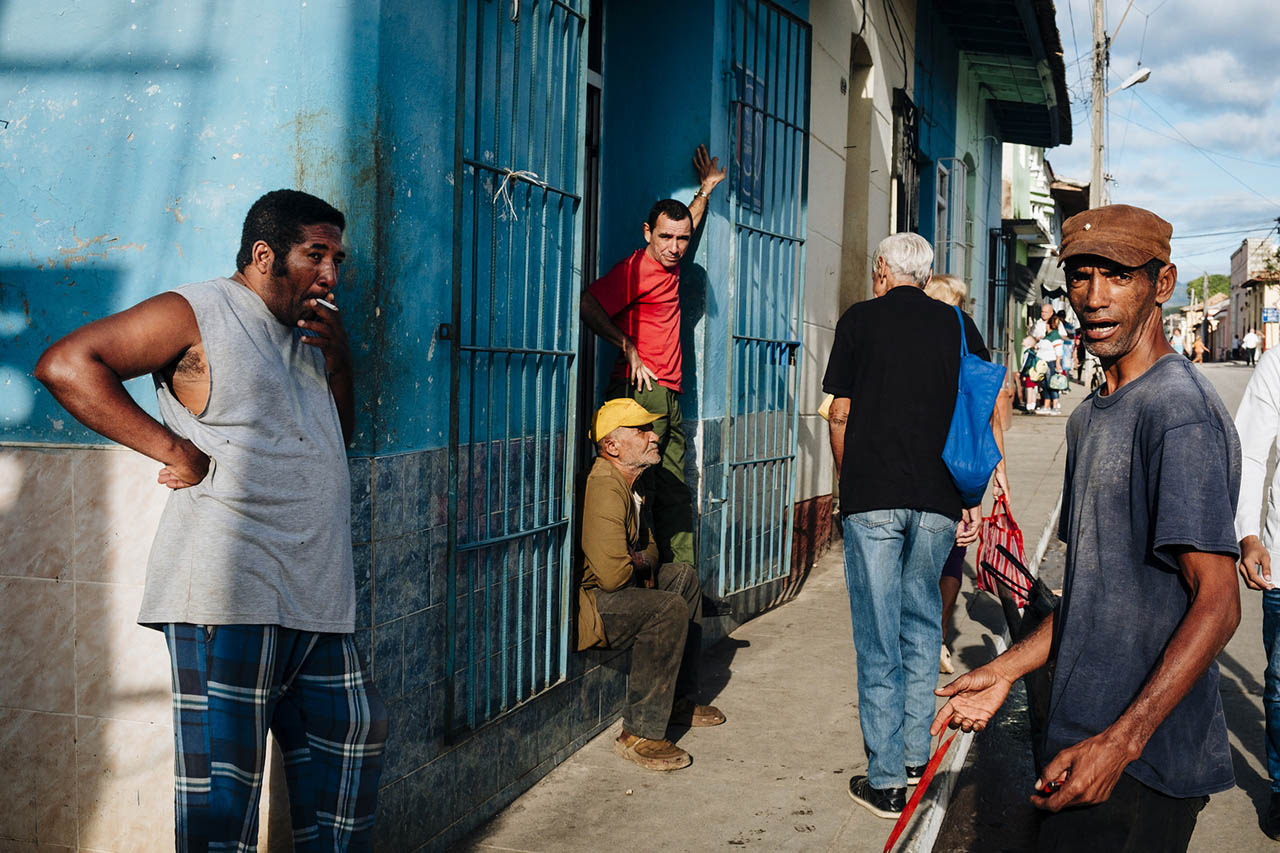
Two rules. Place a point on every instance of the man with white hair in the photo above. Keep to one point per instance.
(898, 504)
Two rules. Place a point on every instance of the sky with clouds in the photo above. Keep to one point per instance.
(1215, 83)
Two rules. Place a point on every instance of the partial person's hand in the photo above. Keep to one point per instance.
(999, 482)
(189, 468)
(639, 371)
(967, 529)
(328, 334)
(709, 170)
(1088, 773)
(975, 698)
(1255, 564)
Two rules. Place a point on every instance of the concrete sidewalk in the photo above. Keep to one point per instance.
(775, 776)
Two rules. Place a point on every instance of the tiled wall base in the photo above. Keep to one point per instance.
(84, 690)
(85, 723)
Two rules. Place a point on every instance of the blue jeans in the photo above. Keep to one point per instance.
(1271, 687)
(892, 561)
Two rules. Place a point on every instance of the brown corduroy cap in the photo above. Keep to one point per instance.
(1118, 232)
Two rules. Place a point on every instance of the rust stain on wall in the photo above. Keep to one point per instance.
(93, 248)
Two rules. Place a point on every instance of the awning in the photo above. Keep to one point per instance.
(1014, 48)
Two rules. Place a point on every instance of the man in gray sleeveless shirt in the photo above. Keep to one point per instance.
(1135, 733)
(250, 575)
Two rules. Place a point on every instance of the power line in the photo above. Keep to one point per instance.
(1204, 153)
(1074, 44)
(1210, 150)
(1219, 249)
(1242, 229)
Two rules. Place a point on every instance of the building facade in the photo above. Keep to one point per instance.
(492, 157)
(1255, 287)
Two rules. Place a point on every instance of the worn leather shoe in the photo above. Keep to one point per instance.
(651, 754)
(915, 773)
(686, 712)
(886, 802)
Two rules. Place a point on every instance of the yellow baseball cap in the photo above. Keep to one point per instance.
(621, 412)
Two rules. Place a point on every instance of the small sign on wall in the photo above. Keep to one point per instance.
(748, 154)
(1271, 315)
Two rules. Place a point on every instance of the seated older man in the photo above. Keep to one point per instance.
(628, 600)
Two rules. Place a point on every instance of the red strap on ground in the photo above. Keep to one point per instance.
(929, 770)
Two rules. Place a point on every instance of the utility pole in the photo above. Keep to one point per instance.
(1100, 50)
(1204, 315)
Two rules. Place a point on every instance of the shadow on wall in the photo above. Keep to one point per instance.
(84, 690)
(37, 307)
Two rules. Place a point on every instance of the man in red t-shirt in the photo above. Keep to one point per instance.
(636, 307)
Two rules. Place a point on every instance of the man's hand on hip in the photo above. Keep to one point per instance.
(1255, 564)
(639, 371)
(188, 468)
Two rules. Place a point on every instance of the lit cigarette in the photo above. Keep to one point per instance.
(327, 304)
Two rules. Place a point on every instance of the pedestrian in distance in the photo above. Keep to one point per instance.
(1199, 348)
(629, 598)
(1049, 354)
(1258, 421)
(900, 510)
(1250, 344)
(952, 290)
(1033, 371)
(1135, 730)
(636, 307)
(250, 575)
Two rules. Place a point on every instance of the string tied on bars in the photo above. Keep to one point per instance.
(504, 191)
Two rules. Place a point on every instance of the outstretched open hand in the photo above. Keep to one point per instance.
(709, 170)
(975, 698)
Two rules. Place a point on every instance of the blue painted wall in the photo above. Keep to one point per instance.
(937, 69)
(417, 96)
(660, 100)
(137, 137)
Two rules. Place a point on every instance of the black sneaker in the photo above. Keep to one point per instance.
(1271, 820)
(915, 773)
(888, 802)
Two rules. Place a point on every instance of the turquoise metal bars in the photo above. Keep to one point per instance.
(516, 270)
(769, 134)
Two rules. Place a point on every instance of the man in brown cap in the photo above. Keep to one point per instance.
(1135, 734)
(628, 599)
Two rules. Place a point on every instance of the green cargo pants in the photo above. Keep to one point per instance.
(672, 505)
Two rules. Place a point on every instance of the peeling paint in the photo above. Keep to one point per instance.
(77, 254)
(172, 207)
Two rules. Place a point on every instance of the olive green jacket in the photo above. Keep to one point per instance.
(613, 528)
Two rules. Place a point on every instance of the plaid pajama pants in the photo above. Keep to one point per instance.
(231, 683)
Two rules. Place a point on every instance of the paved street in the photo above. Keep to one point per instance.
(774, 777)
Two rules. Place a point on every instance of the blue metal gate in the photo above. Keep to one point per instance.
(769, 134)
(516, 269)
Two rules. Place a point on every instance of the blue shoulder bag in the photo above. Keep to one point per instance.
(970, 453)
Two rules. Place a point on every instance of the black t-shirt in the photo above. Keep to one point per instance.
(897, 358)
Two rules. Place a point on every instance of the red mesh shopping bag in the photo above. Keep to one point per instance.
(999, 529)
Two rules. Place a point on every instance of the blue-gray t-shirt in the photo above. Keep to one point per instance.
(1152, 468)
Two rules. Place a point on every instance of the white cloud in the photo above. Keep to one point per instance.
(1251, 134)
(1212, 80)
